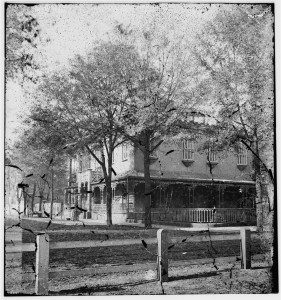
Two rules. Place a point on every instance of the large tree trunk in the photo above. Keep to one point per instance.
(264, 194)
(147, 183)
(52, 194)
(108, 202)
(108, 180)
(266, 210)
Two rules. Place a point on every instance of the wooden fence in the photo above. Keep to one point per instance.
(42, 273)
(163, 244)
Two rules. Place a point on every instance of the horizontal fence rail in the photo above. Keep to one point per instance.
(199, 215)
(42, 273)
(30, 247)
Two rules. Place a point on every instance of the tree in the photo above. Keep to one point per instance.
(44, 164)
(22, 36)
(84, 105)
(235, 53)
(160, 78)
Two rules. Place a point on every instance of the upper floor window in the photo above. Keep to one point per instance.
(80, 163)
(124, 151)
(188, 149)
(87, 161)
(74, 165)
(97, 166)
(212, 155)
(242, 156)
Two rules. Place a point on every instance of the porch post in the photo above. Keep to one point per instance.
(221, 195)
(101, 195)
(192, 194)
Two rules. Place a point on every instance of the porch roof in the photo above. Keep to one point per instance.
(181, 177)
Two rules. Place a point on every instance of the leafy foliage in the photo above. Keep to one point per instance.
(22, 36)
(235, 54)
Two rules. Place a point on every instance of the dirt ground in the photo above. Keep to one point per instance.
(227, 278)
(183, 278)
(198, 279)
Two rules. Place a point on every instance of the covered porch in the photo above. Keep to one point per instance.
(191, 202)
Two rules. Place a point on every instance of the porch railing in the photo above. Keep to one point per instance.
(199, 215)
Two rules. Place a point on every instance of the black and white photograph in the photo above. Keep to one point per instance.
(139, 148)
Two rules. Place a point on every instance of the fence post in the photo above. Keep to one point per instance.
(42, 265)
(162, 239)
(245, 248)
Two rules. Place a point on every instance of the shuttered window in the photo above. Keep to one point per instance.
(188, 149)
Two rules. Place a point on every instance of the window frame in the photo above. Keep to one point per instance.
(80, 163)
(212, 154)
(188, 149)
(242, 155)
(124, 151)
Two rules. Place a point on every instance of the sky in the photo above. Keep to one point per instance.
(74, 29)
(70, 29)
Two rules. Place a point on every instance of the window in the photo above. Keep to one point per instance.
(212, 155)
(97, 166)
(79, 163)
(188, 149)
(86, 162)
(124, 151)
(242, 156)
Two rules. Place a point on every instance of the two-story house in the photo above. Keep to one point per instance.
(188, 185)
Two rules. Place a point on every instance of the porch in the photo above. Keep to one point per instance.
(173, 202)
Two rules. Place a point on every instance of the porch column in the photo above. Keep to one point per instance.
(90, 201)
(131, 197)
(221, 195)
(191, 195)
(101, 196)
(80, 197)
(104, 194)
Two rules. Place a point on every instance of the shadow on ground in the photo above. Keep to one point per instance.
(87, 290)
(202, 275)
